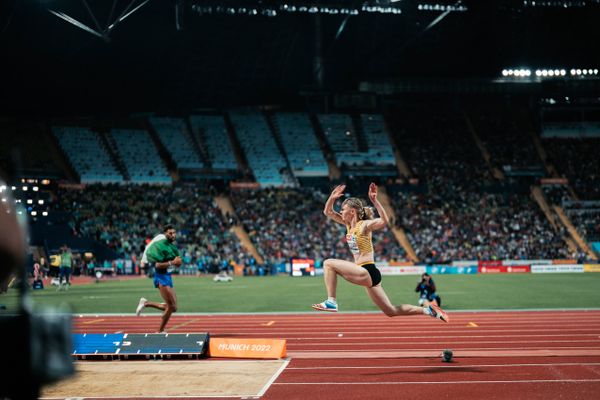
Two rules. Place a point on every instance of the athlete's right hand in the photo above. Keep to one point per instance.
(177, 262)
(337, 192)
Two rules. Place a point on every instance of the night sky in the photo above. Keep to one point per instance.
(50, 66)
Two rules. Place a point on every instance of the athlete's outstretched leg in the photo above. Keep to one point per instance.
(379, 297)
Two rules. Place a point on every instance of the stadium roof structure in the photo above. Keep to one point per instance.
(148, 54)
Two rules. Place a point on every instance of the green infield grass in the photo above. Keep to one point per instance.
(287, 294)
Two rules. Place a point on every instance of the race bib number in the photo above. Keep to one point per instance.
(351, 239)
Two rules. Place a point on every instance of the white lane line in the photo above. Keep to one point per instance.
(387, 330)
(516, 311)
(375, 315)
(358, 321)
(457, 349)
(306, 326)
(349, 337)
(383, 329)
(440, 340)
(381, 320)
(449, 366)
(427, 323)
(273, 378)
(443, 382)
(299, 318)
(432, 332)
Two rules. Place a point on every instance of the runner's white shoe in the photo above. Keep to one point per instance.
(141, 306)
(326, 306)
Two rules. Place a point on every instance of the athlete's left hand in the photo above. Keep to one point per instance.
(177, 261)
(373, 192)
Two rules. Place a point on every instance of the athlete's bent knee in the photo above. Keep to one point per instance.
(329, 263)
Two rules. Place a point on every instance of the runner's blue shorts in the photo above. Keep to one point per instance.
(163, 279)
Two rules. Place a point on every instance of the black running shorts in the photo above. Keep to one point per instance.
(374, 273)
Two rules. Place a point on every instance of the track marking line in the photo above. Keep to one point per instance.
(410, 349)
(443, 382)
(560, 311)
(281, 331)
(463, 353)
(92, 322)
(313, 338)
(358, 321)
(449, 366)
(309, 327)
(182, 324)
(273, 378)
(439, 340)
(357, 324)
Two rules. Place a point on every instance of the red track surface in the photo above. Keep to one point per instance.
(508, 355)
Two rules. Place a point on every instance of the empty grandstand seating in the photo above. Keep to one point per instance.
(87, 155)
(140, 157)
(213, 133)
(258, 143)
(173, 134)
(380, 150)
(341, 136)
(571, 130)
(301, 145)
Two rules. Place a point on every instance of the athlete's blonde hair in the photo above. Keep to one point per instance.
(362, 211)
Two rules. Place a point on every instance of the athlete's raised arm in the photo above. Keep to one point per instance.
(337, 192)
(383, 220)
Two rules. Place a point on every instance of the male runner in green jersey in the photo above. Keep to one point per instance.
(161, 253)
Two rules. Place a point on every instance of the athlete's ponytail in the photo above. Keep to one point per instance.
(361, 211)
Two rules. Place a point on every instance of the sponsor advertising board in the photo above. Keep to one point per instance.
(561, 268)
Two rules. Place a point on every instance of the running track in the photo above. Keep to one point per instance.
(497, 355)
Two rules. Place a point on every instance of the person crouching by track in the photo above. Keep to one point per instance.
(162, 254)
(426, 289)
(360, 225)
